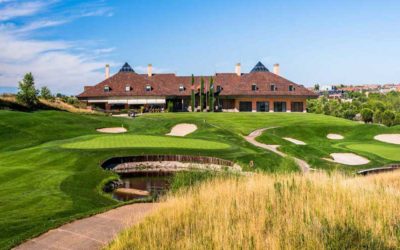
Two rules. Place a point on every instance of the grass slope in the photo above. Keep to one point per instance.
(44, 184)
(316, 211)
(49, 167)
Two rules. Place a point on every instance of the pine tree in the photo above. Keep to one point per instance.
(193, 96)
(211, 95)
(27, 93)
(201, 94)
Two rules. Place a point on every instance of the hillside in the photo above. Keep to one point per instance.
(316, 211)
(50, 169)
(9, 103)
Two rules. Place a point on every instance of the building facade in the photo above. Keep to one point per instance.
(256, 91)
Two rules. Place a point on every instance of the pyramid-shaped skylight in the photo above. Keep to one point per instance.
(126, 68)
(259, 68)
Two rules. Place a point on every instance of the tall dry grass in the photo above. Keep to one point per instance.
(316, 211)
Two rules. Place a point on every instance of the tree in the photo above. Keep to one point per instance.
(192, 97)
(367, 115)
(27, 93)
(377, 118)
(45, 93)
(211, 95)
(201, 94)
(379, 106)
(316, 87)
(170, 106)
(388, 118)
(397, 119)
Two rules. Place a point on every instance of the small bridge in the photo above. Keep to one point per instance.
(387, 168)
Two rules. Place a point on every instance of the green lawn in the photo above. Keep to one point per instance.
(49, 160)
(143, 141)
(390, 152)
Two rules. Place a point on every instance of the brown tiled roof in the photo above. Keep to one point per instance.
(168, 85)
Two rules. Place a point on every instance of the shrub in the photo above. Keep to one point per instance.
(388, 118)
(27, 93)
(377, 116)
(367, 115)
(396, 119)
(349, 114)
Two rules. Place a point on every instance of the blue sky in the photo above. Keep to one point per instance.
(67, 43)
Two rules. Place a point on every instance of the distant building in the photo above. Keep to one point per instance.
(256, 91)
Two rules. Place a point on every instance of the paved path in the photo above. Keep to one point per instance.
(251, 138)
(91, 233)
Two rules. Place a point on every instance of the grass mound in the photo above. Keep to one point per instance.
(276, 212)
(144, 141)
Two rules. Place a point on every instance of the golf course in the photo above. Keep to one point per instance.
(50, 170)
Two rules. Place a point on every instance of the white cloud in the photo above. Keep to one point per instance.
(61, 65)
(40, 25)
(50, 62)
(19, 9)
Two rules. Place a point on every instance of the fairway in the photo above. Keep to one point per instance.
(390, 152)
(50, 169)
(144, 141)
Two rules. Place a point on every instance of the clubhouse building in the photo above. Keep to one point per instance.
(256, 91)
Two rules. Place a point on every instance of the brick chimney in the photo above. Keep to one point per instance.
(107, 71)
(276, 69)
(149, 70)
(237, 69)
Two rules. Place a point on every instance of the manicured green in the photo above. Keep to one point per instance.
(390, 152)
(50, 160)
(142, 141)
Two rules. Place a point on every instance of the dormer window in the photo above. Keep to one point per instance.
(148, 87)
(219, 88)
(273, 87)
(128, 88)
(107, 88)
(291, 88)
(254, 87)
(181, 88)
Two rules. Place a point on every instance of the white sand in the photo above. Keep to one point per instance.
(297, 142)
(348, 159)
(388, 138)
(334, 136)
(182, 129)
(115, 130)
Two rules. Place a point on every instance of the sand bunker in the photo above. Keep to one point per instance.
(334, 136)
(388, 138)
(348, 159)
(182, 129)
(297, 142)
(115, 130)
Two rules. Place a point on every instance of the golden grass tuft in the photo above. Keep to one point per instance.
(315, 211)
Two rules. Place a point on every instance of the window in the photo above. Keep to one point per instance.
(291, 88)
(297, 107)
(262, 106)
(279, 106)
(273, 88)
(254, 87)
(181, 87)
(245, 106)
(128, 88)
(107, 88)
(148, 88)
(219, 89)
